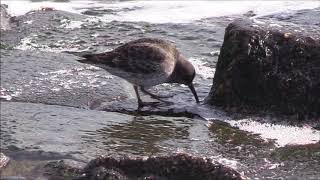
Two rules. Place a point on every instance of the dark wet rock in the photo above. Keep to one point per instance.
(271, 65)
(102, 173)
(173, 167)
(4, 160)
(63, 169)
(4, 17)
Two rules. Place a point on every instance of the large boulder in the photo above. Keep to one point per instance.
(269, 65)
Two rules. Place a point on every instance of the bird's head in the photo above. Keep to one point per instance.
(184, 73)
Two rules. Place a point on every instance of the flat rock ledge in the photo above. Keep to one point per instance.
(174, 167)
(271, 66)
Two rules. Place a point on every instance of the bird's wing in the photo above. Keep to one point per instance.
(143, 58)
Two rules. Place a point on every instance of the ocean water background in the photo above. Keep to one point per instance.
(154, 11)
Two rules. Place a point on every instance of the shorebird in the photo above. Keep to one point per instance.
(145, 63)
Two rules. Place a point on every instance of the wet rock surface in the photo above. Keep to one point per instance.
(173, 167)
(63, 169)
(176, 167)
(52, 78)
(269, 64)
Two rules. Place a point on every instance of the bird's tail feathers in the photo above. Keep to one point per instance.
(79, 53)
(91, 58)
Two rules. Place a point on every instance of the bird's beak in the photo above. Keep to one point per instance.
(194, 92)
(85, 61)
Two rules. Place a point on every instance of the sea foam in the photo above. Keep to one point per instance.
(165, 11)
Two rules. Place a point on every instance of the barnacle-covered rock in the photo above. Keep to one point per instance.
(174, 167)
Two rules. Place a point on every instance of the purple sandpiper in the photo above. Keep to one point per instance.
(145, 63)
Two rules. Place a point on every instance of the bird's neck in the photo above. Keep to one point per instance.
(176, 73)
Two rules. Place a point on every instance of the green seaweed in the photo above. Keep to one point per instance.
(224, 133)
(301, 152)
(3, 45)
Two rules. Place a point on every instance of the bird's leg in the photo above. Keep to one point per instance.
(137, 94)
(140, 102)
(157, 97)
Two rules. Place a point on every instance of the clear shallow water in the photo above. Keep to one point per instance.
(73, 133)
(55, 78)
(86, 133)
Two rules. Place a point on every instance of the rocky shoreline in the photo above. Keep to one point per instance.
(52, 87)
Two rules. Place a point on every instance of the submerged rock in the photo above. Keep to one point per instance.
(175, 167)
(269, 65)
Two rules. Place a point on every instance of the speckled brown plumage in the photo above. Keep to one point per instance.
(146, 62)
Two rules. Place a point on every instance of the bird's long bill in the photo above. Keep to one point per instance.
(88, 59)
(85, 61)
(194, 92)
